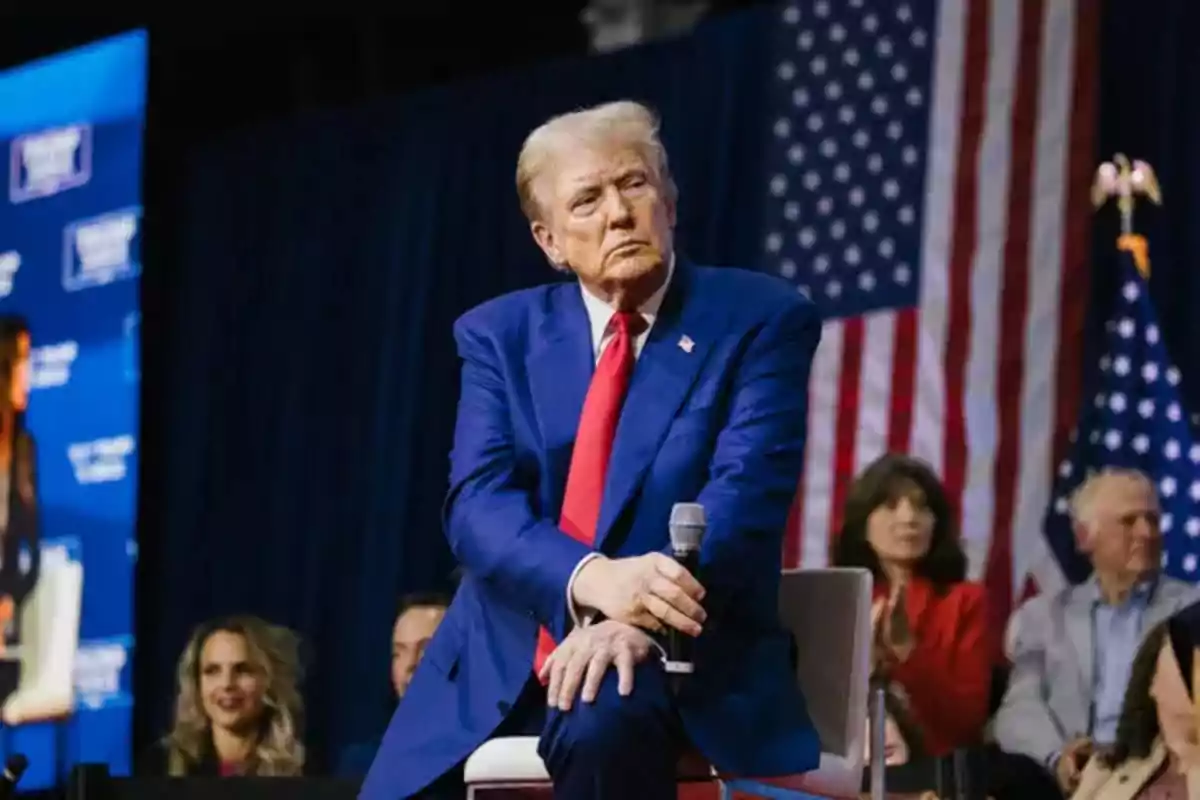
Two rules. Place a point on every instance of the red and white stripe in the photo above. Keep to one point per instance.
(982, 379)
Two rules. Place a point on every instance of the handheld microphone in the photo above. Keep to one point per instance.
(14, 768)
(687, 528)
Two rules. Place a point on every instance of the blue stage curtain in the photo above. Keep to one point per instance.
(309, 390)
(1150, 71)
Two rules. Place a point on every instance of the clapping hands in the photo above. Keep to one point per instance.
(893, 637)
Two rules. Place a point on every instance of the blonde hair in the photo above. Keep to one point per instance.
(275, 652)
(1084, 496)
(623, 122)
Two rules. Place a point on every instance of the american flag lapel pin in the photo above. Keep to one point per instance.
(686, 344)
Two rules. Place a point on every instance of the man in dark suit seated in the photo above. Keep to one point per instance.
(417, 620)
(588, 409)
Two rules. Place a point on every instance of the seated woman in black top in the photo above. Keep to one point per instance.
(238, 709)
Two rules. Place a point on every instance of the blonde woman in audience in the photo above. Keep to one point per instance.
(238, 710)
(1156, 754)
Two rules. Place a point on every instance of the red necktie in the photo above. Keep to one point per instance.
(593, 445)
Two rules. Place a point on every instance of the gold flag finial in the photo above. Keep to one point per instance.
(1126, 181)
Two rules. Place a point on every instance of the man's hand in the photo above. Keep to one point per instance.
(651, 591)
(586, 654)
(1071, 763)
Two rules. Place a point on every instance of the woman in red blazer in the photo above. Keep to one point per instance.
(930, 622)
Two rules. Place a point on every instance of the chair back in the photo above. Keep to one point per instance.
(49, 641)
(828, 612)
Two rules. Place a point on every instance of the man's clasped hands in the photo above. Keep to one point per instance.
(636, 596)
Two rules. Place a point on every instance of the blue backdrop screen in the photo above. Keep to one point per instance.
(70, 221)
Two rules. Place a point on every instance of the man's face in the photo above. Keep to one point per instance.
(605, 215)
(412, 632)
(1123, 535)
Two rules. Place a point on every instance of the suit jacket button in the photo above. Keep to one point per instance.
(503, 707)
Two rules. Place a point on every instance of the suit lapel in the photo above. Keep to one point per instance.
(675, 350)
(560, 367)
(1165, 600)
(1079, 631)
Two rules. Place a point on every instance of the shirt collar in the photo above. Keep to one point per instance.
(600, 313)
(1141, 592)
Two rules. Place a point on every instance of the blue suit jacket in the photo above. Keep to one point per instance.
(722, 424)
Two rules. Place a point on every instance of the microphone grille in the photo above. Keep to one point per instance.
(687, 526)
(690, 514)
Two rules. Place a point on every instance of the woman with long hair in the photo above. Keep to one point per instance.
(930, 623)
(1156, 752)
(238, 710)
(20, 552)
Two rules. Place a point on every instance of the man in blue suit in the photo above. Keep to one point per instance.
(587, 410)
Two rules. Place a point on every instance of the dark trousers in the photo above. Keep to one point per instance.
(1012, 776)
(614, 748)
(985, 772)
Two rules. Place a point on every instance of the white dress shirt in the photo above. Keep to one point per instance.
(600, 316)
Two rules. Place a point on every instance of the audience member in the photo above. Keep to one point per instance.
(1156, 752)
(238, 710)
(1072, 650)
(930, 622)
(416, 622)
(20, 551)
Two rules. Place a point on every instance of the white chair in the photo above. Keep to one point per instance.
(828, 612)
(510, 762)
(50, 639)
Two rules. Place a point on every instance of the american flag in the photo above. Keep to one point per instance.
(929, 169)
(1134, 416)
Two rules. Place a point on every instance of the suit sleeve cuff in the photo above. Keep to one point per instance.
(584, 617)
(579, 616)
